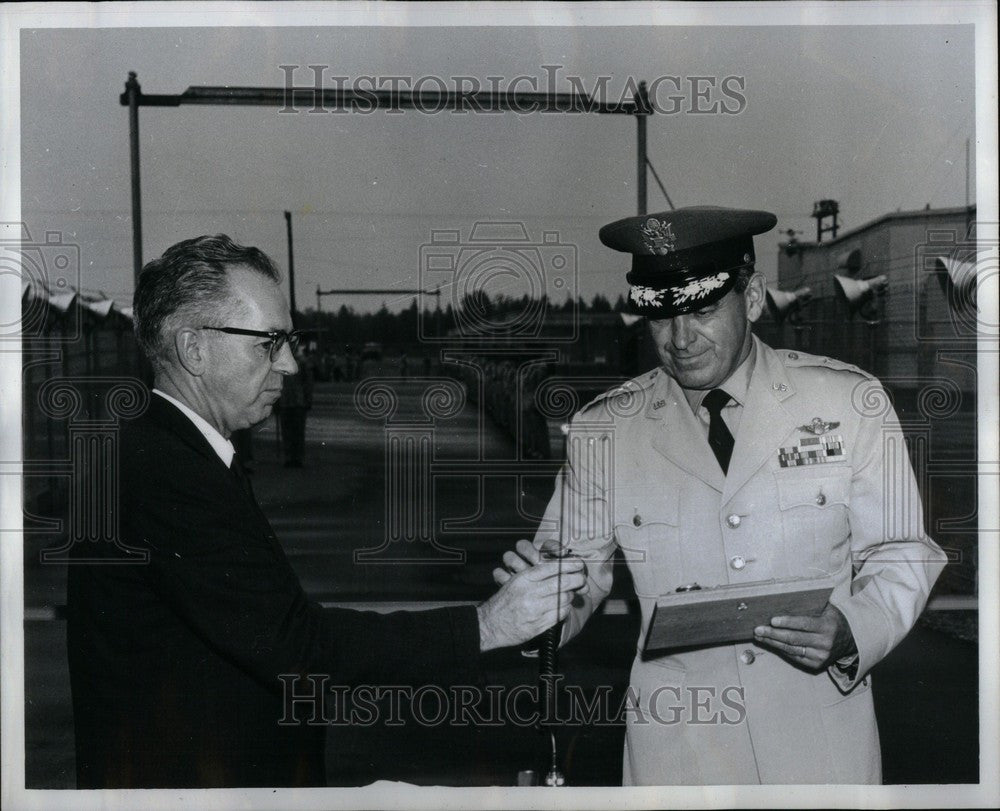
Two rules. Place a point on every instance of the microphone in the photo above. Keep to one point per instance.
(548, 664)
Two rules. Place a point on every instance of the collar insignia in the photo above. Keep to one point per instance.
(818, 427)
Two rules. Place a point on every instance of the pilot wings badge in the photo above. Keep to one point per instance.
(658, 236)
(818, 427)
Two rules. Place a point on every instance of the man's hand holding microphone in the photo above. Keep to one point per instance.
(535, 594)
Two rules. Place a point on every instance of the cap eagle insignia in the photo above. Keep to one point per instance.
(658, 236)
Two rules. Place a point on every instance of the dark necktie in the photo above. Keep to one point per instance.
(719, 438)
(237, 472)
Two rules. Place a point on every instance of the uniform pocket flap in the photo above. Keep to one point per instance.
(818, 492)
(659, 670)
(646, 508)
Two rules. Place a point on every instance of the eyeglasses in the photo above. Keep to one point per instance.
(276, 338)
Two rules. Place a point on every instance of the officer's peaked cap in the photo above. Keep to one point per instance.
(686, 259)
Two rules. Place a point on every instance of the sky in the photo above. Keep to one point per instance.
(874, 116)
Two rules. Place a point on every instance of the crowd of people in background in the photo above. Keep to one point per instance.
(327, 365)
(510, 400)
(510, 393)
(347, 364)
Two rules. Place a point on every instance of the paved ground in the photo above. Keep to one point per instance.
(335, 507)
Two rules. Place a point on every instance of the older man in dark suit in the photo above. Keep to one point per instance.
(176, 661)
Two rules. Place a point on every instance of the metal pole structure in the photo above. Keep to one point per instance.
(292, 99)
(291, 269)
(320, 329)
(132, 92)
(365, 291)
(659, 183)
(641, 106)
(967, 145)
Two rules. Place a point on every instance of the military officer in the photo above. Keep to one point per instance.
(733, 463)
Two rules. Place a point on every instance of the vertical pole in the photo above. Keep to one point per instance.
(291, 268)
(437, 313)
(319, 321)
(133, 91)
(872, 349)
(641, 111)
(967, 145)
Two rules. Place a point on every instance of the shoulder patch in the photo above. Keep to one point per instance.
(795, 359)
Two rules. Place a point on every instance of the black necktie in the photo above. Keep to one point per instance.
(237, 472)
(719, 438)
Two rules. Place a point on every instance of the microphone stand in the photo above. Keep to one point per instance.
(548, 652)
(547, 665)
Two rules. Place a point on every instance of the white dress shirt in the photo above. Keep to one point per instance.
(222, 446)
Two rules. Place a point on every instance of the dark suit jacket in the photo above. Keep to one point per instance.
(174, 663)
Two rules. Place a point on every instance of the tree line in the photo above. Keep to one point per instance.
(346, 326)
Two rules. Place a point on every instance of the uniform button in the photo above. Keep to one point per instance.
(748, 657)
(734, 520)
(821, 499)
(793, 356)
(637, 520)
(737, 562)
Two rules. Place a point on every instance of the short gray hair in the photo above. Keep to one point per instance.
(189, 284)
(743, 277)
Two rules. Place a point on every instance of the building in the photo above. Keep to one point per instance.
(896, 297)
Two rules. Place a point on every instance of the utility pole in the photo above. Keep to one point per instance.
(968, 189)
(131, 97)
(291, 269)
(642, 111)
(967, 159)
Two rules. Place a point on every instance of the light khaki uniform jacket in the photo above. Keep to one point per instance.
(641, 476)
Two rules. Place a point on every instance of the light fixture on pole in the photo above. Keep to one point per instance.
(858, 295)
(783, 303)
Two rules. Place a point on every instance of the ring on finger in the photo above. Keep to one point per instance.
(802, 650)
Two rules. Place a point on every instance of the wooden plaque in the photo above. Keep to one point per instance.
(713, 616)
